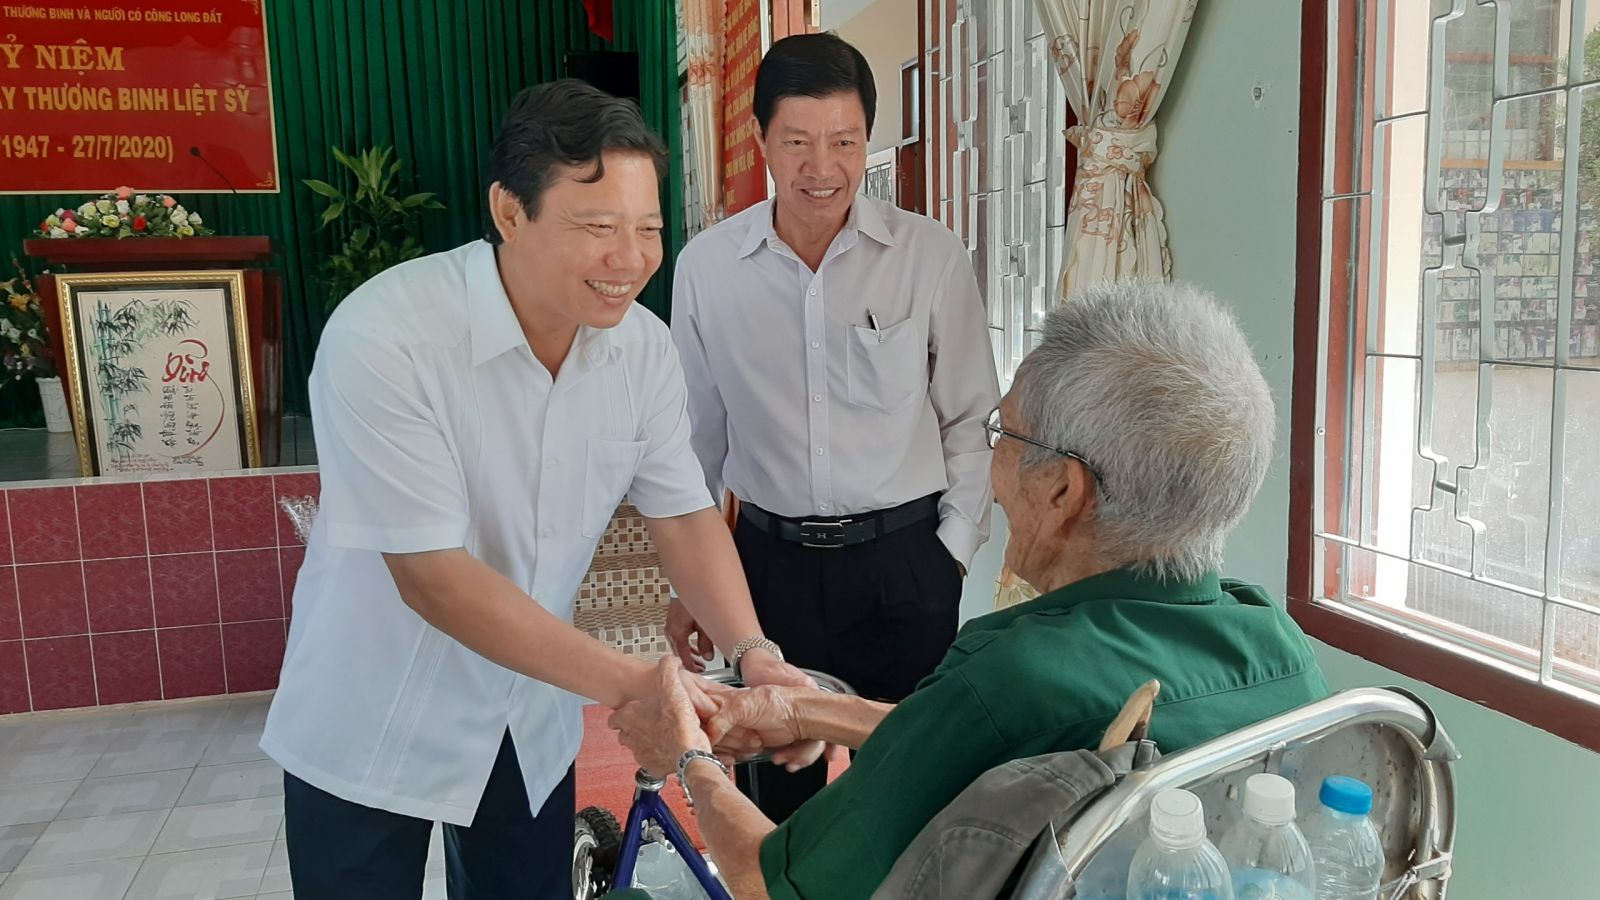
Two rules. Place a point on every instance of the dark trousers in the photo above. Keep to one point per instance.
(879, 615)
(340, 850)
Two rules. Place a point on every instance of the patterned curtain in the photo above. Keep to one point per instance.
(1116, 59)
(702, 26)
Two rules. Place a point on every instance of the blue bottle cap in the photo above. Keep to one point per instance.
(1347, 795)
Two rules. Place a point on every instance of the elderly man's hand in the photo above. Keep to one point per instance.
(762, 718)
(761, 668)
(660, 728)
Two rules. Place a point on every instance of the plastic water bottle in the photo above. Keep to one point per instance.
(1344, 842)
(663, 874)
(1267, 855)
(1177, 862)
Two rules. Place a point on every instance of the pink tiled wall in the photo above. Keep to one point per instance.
(115, 593)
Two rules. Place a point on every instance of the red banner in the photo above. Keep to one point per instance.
(160, 95)
(744, 174)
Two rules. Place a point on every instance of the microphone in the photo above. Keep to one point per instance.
(195, 152)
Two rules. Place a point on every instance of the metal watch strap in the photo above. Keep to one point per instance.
(683, 770)
(745, 646)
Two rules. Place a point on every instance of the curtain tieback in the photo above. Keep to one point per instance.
(1104, 150)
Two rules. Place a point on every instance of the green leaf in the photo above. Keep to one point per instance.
(333, 212)
(324, 188)
(345, 160)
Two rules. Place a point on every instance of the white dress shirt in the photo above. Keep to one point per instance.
(437, 428)
(858, 387)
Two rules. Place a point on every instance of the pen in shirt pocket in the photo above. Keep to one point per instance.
(873, 321)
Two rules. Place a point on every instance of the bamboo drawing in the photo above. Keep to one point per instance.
(117, 335)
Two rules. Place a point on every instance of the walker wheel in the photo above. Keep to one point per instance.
(596, 837)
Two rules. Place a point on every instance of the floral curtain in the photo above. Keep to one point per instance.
(702, 26)
(1116, 59)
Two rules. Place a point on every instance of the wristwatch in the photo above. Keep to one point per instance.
(748, 644)
(690, 756)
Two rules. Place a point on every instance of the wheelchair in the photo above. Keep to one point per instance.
(1387, 737)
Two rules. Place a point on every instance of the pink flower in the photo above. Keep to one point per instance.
(68, 214)
(1135, 98)
(1124, 55)
(69, 224)
(168, 201)
(124, 192)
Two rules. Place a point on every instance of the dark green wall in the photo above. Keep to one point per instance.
(430, 77)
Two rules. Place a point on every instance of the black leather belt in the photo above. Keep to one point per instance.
(845, 531)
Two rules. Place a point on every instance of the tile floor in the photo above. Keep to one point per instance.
(172, 800)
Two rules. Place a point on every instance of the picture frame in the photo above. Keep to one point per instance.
(158, 371)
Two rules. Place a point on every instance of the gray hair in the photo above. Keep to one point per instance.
(1156, 387)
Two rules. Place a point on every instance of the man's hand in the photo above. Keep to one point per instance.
(760, 718)
(660, 728)
(760, 666)
(689, 640)
(754, 719)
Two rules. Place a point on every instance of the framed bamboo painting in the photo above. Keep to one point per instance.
(158, 365)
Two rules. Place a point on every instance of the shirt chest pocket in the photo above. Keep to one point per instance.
(608, 471)
(887, 369)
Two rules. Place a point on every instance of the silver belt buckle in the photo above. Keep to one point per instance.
(820, 530)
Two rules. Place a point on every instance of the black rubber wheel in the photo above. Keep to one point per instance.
(596, 837)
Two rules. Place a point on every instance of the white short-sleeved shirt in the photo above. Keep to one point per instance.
(437, 428)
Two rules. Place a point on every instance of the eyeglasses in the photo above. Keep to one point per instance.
(995, 431)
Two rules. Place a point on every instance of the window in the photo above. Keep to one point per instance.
(994, 162)
(1446, 514)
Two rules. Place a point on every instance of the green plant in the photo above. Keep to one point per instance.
(1589, 138)
(377, 223)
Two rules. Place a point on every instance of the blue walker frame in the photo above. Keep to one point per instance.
(648, 807)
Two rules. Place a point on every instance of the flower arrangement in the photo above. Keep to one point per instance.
(122, 213)
(24, 340)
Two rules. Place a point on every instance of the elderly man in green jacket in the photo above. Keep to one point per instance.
(1133, 440)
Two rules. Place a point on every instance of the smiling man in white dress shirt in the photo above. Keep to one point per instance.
(839, 373)
(479, 415)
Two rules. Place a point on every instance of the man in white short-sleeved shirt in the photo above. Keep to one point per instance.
(479, 416)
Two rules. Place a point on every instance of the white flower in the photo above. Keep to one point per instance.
(87, 210)
(141, 199)
(60, 212)
(33, 333)
(57, 233)
(9, 330)
(104, 206)
(194, 219)
(122, 207)
(179, 217)
(185, 231)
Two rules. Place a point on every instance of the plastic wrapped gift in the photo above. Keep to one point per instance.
(301, 510)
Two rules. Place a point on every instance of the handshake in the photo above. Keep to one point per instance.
(682, 711)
